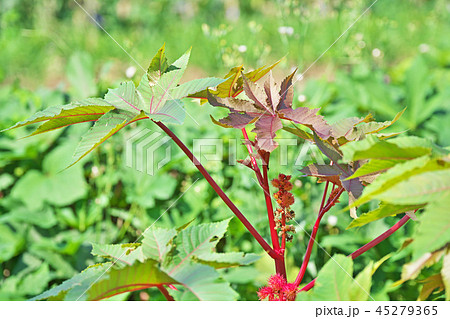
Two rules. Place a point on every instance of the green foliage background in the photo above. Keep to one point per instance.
(397, 55)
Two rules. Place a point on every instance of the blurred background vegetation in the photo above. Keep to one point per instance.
(397, 55)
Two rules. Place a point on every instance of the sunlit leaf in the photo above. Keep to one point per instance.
(158, 66)
(334, 280)
(374, 166)
(360, 287)
(129, 278)
(104, 128)
(155, 244)
(194, 86)
(203, 283)
(433, 230)
(120, 254)
(445, 272)
(60, 116)
(384, 210)
(394, 149)
(226, 260)
(420, 188)
(233, 85)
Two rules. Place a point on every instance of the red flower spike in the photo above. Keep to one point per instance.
(265, 292)
(276, 282)
(278, 290)
(290, 292)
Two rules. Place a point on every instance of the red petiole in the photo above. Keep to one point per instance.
(220, 192)
(369, 245)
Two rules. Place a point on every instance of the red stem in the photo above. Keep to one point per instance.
(369, 245)
(220, 192)
(324, 196)
(280, 266)
(283, 238)
(165, 293)
(380, 238)
(252, 158)
(273, 231)
(264, 183)
(312, 238)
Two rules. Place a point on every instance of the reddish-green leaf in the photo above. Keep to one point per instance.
(265, 129)
(129, 278)
(309, 118)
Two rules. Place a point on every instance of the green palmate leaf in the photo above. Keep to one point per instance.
(121, 254)
(445, 273)
(75, 287)
(433, 230)
(156, 243)
(158, 65)
(226, 260)
(360, 287)
(161, 91)
(369, 127)
(104, 128)
(60, 116)
(171, 112)
(125, 98)
(129, 278)
(420, 188)
(397, 174)
(334, 280)
(126, 104)
(384, 210)
(199, 240)
(194, 86)
(395, 149)
(374, 166)
(203, 283)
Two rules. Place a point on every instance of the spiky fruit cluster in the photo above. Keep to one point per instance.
(333, 195)
(284, 200)
(278, 289)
